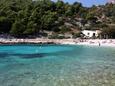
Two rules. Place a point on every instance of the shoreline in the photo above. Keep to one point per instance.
(86, 42)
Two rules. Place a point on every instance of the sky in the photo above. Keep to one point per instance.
(87, 3)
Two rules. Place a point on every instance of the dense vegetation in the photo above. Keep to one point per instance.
(41, 17)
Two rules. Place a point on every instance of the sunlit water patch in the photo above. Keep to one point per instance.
(56, 65)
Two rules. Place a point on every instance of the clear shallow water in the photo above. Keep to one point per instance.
(56, 65)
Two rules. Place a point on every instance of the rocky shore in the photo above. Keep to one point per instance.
(96, 42)
(37, 41)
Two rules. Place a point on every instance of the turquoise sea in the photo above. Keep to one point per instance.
(56, 65)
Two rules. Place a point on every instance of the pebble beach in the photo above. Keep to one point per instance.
(92, 42)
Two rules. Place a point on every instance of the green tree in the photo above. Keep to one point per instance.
(48, 20)
(31, 28)
(108, 32)
(17, 28)
(5, 24)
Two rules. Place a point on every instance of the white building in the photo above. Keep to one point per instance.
(90, 33)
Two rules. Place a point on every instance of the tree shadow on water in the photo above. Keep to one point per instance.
(25, 56)
(3, 55)
(30, 56)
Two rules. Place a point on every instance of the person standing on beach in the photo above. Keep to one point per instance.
(99, 43)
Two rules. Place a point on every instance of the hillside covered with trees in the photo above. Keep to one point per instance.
(22, 18)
